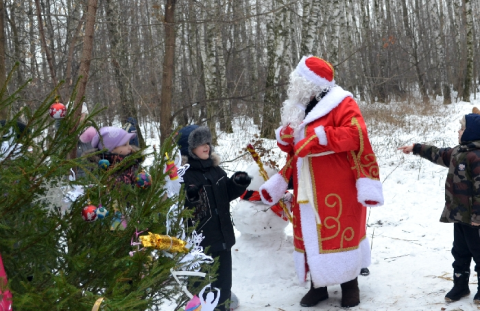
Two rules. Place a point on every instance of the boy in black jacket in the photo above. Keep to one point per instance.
(209, 192)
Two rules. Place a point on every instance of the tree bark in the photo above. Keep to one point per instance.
(414, 47)
(3, 70)
(44, 43)
(168, 72)
(85, 62)
(121, 65)
(469, 38)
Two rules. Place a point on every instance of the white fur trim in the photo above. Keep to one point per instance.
(322, 136)
(277, 135)
(330, 268)
(369, 190)
(308, 74)
(276, 187)
(299, 261)
(333, 98)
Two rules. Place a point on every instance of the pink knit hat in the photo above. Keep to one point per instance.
(113, 137)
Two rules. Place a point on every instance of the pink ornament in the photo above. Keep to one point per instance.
(58, 111)
(5, 296)
(88, 213)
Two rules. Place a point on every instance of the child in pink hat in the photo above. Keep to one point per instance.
(114, 141)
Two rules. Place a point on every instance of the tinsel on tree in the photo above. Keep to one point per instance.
(54, 259)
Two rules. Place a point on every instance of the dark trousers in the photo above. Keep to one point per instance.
(224, 276)
(466, 245)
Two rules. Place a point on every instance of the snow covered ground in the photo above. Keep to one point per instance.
(411, 260)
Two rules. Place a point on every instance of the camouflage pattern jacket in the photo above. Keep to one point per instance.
(462, 187)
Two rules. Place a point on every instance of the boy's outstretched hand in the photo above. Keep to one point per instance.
(406, 149)
(242, 179)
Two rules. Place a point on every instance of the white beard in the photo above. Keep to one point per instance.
(299, 94)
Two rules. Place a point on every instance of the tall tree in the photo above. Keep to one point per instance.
(469, 38)
(3, 69)
(414, 50)
(168, 71)
(121, 64)
(85, 61)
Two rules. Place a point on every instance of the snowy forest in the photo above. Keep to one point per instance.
(411, 65)
(205, 62)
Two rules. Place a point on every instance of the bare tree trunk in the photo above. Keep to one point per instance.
(3, 70)
(334, 35)
(270, 115)
(85, 62)
(469, 72)
(16, 42)
(121, 65)
(71, 49)
(44, 43)
(168, 72)
(309, 26)
(414, 47)
(442, 51)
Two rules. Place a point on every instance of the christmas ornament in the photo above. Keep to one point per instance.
(101, 212)
(144, 180)
(104, 164)
(164, 242)
(171, 168)
(58, 111)
(6, 295)
(118, 222)
(196, 256)
(88, 213)
(194, 304)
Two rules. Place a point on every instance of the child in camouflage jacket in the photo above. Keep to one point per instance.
(462, 199)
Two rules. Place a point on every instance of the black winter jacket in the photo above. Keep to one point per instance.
(211, 214)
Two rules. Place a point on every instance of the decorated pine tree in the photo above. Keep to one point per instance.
(56, 255)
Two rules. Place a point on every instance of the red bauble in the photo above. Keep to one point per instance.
(58, 111)
(88, 213)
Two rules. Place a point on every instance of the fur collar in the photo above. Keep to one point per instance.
(326, 104)
(214, 156)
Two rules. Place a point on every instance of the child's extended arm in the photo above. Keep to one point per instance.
(406, 149)
(440, 156)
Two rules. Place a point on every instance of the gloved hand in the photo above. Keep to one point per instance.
(242, 179)
(193, 192)
(286, 134)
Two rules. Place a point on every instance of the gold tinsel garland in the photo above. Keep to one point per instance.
(163, 242)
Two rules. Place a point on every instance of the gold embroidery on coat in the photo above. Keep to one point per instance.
(368, 168)
(344, 237)
(336, 221)
(341, 249)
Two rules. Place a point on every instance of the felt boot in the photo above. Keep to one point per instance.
(314, 296)
(350, 293)
(460, 286)
(476, 299)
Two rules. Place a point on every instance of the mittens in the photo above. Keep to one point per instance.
(242, 179)
(286, 134)
(193, 192)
